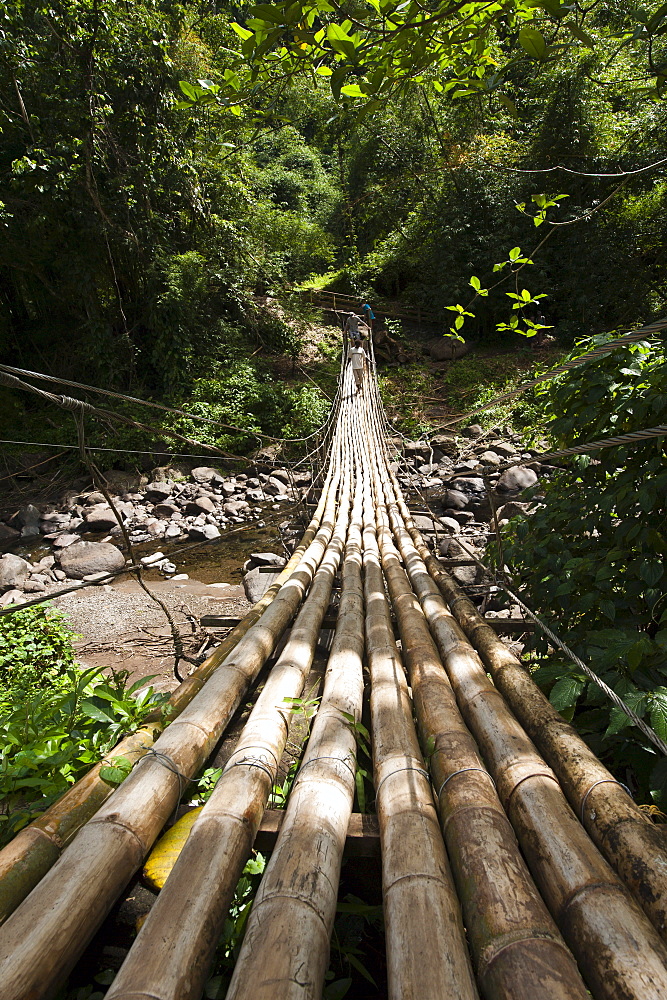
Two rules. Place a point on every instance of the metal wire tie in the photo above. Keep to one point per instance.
(602, 781)
(460, 771)
(419, 770)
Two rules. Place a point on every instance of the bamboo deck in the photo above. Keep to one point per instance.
(513, 864)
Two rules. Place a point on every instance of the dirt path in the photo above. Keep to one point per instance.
(120, 627)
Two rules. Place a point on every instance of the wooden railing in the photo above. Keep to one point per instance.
(337, 302)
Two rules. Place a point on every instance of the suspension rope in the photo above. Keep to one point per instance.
(8, 369)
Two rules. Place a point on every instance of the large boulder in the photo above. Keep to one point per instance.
(14, 571)
(82, 558)
(518, 478)
(275, 487)
(446, 348)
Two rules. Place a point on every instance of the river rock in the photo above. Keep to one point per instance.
(511, 509)
(62, 541)
(256, 583)
(158, 492)
(506, 450)
(14, 571)
(202, 505)
(235, 507)
(465, 575)
(82, 558)
(416, 449)
(100, 518)
(94, 498)
(7, 534)
(203, 532)
(265, 559)
(228, 488)
(490, 458)
(446, 443)
(165, 509)
(204, 474)
(450, 524)
(28, 518)
(474, 431)
(281, 474)
(275, 487)
(455, 499)
(517, 478)
(11, 597)
(472, 485)
(461, 516)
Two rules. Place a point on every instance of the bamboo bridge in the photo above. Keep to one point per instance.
(514, 865)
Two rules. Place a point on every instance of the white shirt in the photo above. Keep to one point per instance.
(356, 356)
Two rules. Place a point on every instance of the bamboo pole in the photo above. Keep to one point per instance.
(634, 846)
(515, 943)
(172, 955)
(286, 946)
(617, 948)
(421, 908)
(42, 939)
(36, 848)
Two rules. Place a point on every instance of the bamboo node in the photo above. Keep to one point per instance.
(419, 770)
(339, 760)
(461, 771)
(601, 781)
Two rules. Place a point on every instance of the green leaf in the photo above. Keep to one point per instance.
(337, 990)
(566, 692)
(241, 32)
(580, 34)
(216, 988)
(608, 608)
(651, 571)
(352, 90)
(187, 88)
(508, 104)
(659, 715)
(531, 40)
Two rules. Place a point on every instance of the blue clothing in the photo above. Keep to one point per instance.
(369, 312)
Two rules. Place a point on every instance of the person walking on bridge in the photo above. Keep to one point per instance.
(357, 356)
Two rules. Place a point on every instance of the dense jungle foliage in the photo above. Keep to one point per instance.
(169, 171)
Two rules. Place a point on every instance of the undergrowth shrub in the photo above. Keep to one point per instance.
(593, 558)
(56, 719)
(244, 396)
